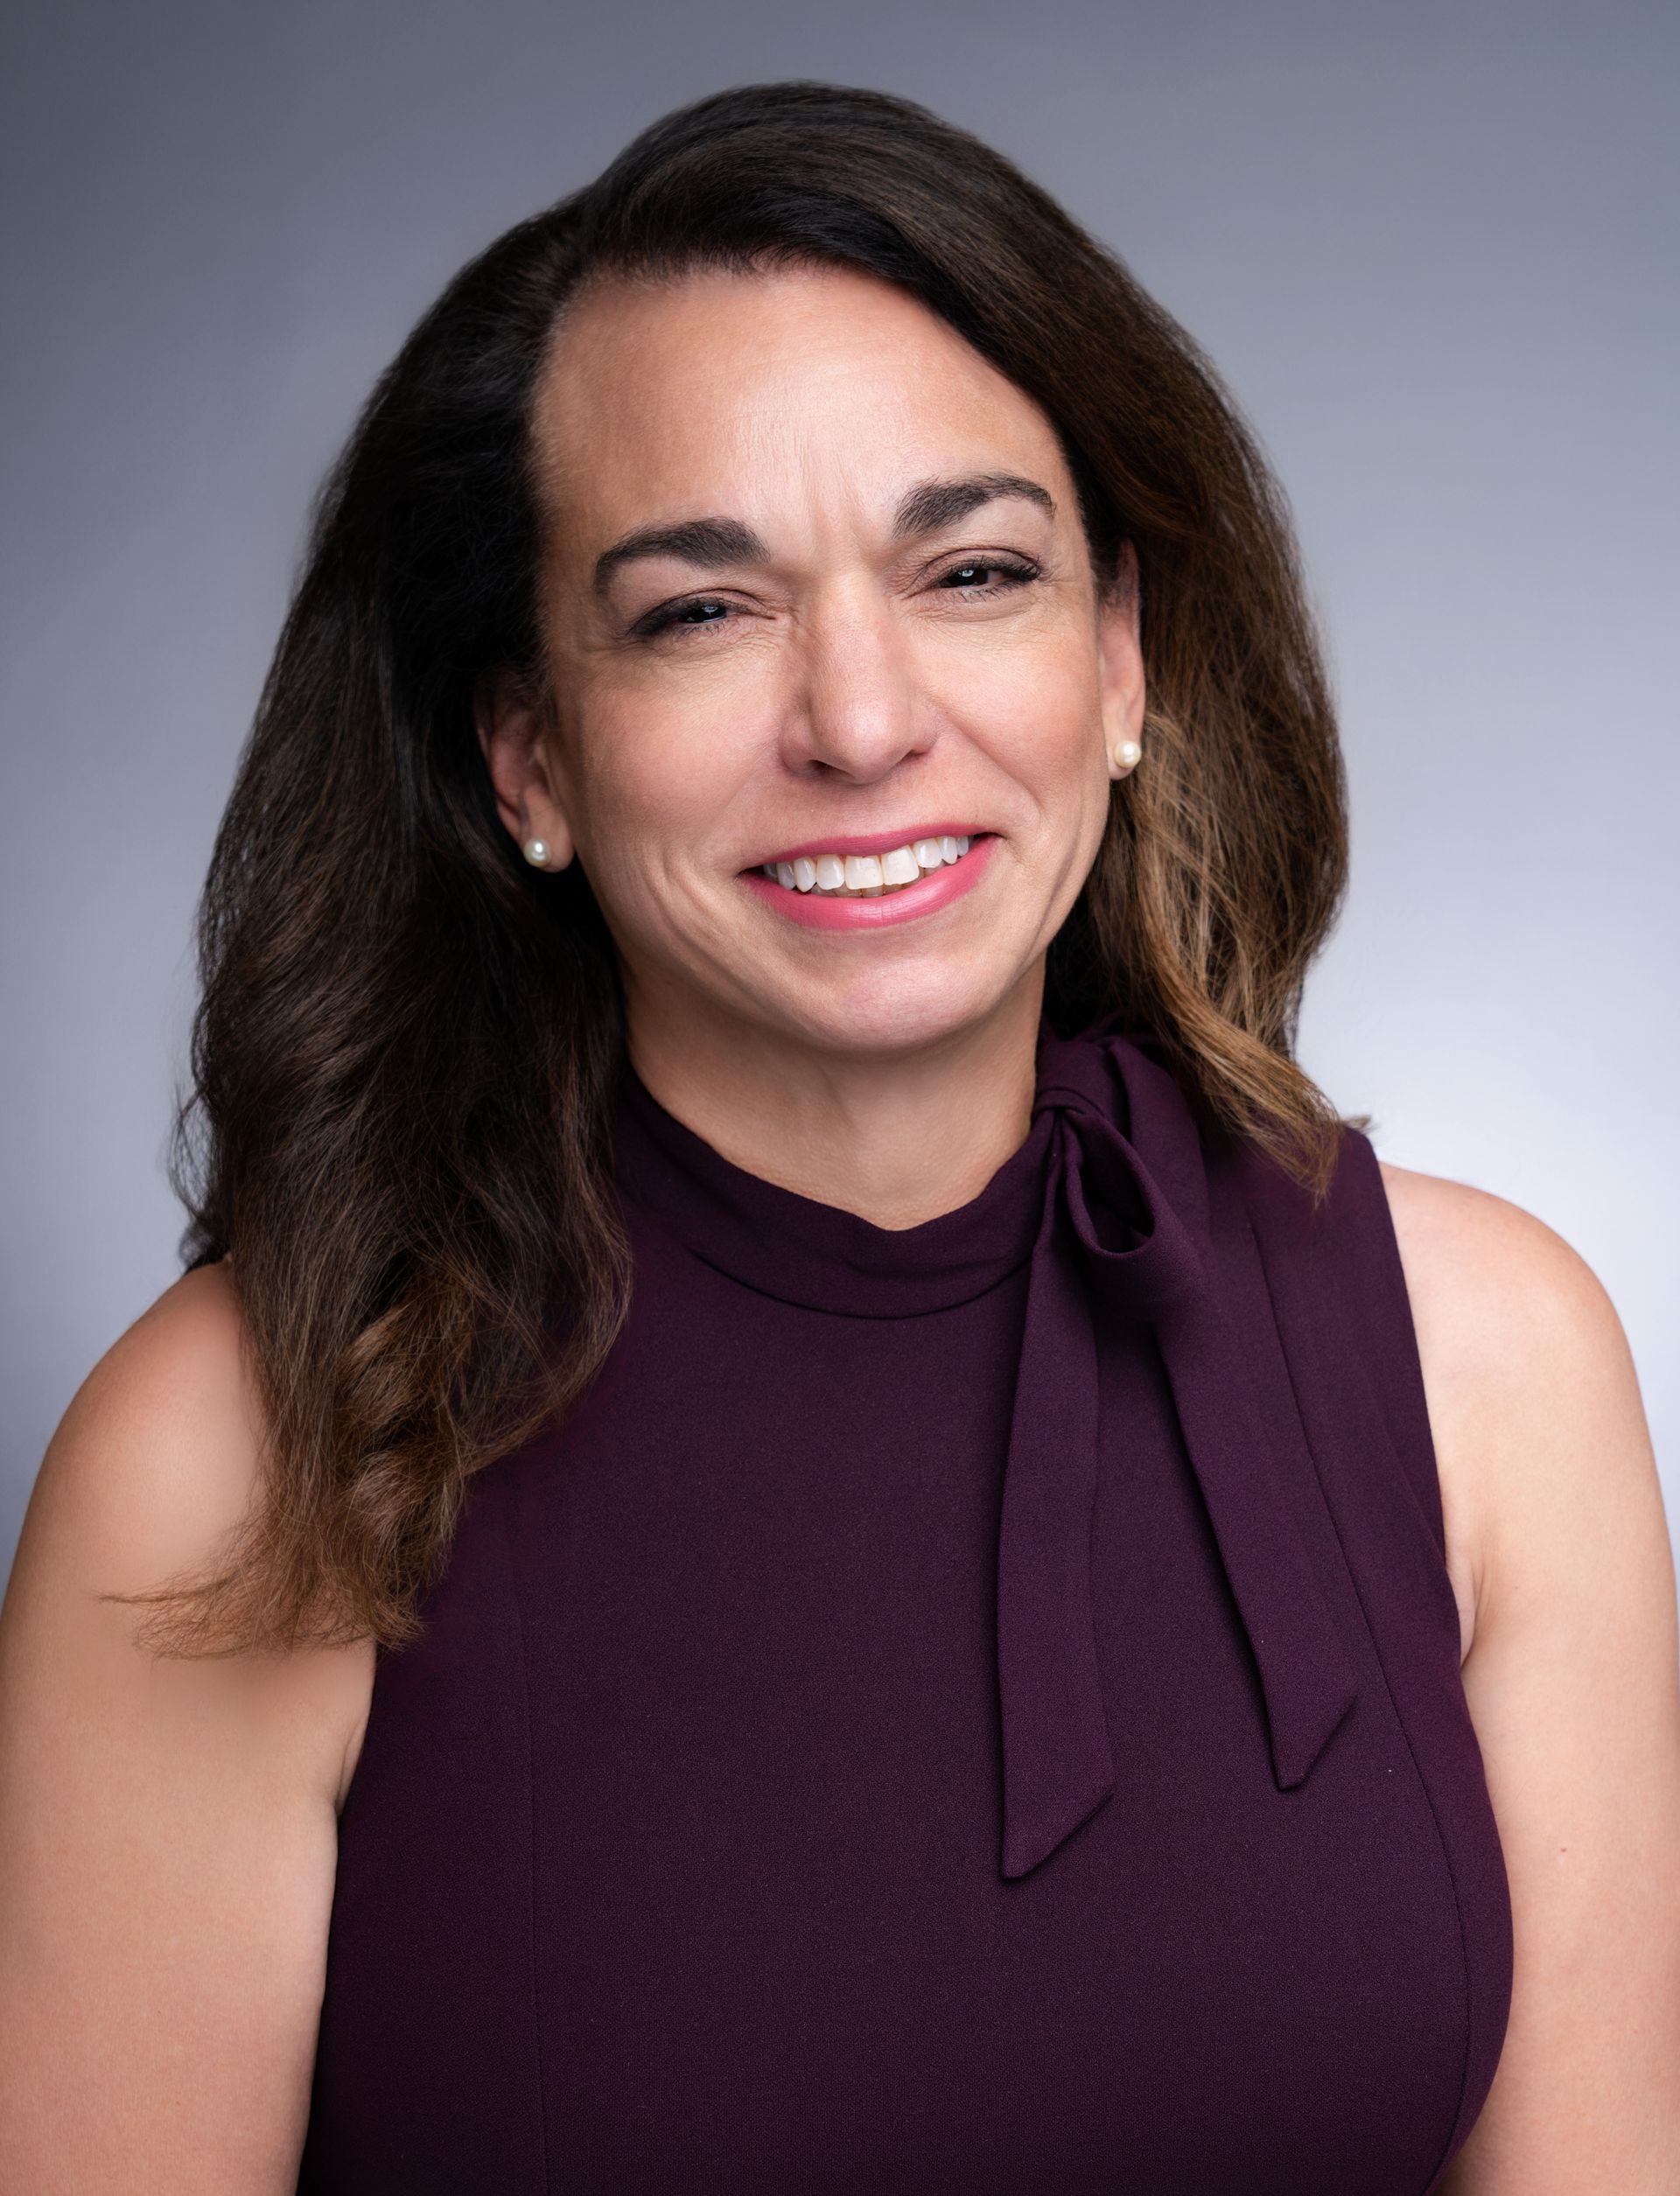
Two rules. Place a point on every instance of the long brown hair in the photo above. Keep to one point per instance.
(403, 1058)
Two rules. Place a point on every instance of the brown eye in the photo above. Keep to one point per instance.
(680, 614)
(1014, 575)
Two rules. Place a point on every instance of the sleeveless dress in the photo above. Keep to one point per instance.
(968, 1709)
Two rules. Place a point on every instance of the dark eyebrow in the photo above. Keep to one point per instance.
(693, 540)
(932, 504)
(923, 509)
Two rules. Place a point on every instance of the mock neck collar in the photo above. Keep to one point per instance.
(805, 1252)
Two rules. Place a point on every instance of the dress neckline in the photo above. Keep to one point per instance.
(805, 1252)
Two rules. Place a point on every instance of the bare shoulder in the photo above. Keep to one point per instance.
(153, 1466)
(167, 1825)
(1489, 1281)
(1526, 1369)
(156, 1455)
(1572, 1681)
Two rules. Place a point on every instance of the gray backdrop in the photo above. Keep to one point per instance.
(1429, 245)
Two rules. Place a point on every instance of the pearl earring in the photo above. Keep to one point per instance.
(1125, 754)
(536, 853)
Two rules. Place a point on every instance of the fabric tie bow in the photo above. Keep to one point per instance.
(1126, 1235)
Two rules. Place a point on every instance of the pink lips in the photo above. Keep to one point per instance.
(834, 911)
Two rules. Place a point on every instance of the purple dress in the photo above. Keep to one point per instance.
(968, 1709)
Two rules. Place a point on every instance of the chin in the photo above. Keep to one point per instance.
(900, 1009)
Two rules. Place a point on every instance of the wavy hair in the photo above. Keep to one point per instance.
(403, 1056)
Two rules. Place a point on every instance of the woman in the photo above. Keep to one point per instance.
(806, 1520)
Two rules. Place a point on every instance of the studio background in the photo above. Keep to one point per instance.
(1430, 246)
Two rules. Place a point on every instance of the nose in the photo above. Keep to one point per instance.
(854, 710)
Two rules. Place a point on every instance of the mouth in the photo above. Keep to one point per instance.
(845, 870)
(882, 886)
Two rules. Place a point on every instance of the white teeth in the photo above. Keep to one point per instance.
(867, 873)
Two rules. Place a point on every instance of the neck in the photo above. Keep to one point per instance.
(896, 1135)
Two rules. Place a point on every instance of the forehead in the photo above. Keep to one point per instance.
(745, 393)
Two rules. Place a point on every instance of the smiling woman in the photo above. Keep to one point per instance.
(863, 615)
(806, 1520)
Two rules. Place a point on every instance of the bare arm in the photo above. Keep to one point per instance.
(1573, 1685)
(168, 1829)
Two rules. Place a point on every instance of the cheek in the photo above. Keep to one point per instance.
(657, 783)
(1036, 710)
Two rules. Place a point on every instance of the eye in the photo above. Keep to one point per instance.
(686, 615)
(1016, 573)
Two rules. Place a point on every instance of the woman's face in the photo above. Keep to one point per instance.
(816, 587)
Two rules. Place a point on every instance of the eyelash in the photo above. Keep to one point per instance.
(1021, 571)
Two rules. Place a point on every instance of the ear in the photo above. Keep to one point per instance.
(516, 736)
(1120, 652)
